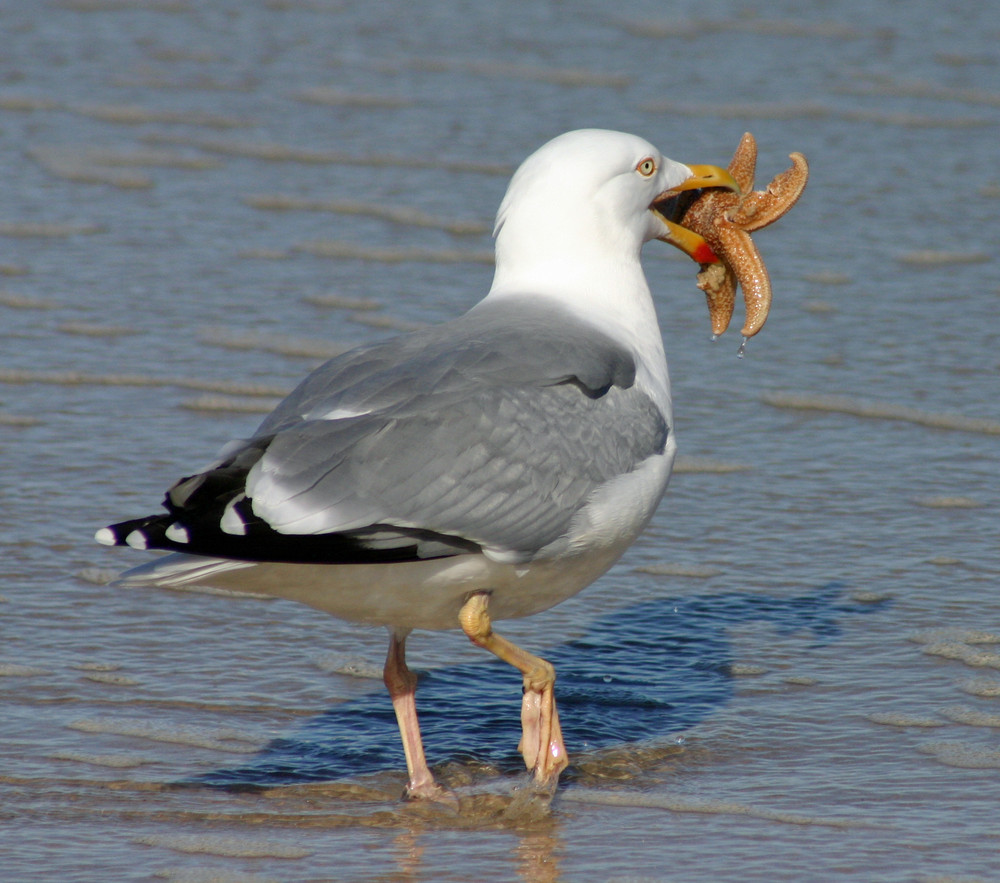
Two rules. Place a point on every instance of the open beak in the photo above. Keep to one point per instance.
(668, 205)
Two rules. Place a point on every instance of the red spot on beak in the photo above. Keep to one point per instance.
(703, 254)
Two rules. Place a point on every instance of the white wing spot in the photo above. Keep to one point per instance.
(177, 533)
(137, 540)
(232, 522)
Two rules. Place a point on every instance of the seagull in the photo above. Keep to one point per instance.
(486, 468)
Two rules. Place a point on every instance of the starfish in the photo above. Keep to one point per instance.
(725, 220)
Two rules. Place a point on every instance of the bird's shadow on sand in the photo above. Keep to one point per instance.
(641, 674)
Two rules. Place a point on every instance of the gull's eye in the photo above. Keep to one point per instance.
(646, 167)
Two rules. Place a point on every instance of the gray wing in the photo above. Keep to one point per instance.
(496, 428)
(489, 432)
(506, 468)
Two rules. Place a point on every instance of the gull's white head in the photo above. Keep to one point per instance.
(589, 178)
(582, 206)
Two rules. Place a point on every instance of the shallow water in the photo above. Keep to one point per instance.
(791, 676)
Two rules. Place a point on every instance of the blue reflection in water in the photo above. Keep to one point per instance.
(640, 674)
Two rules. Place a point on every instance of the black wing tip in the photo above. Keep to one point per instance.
(139, 533)
(260, 543)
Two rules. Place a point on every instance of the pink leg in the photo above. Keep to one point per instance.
(402, 686)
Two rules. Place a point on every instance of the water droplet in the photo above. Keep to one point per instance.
(742, 351)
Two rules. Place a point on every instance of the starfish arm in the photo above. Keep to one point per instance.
(739, 252)
(760, 208)
(707, 217)
(743, 165)
(719, 284)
